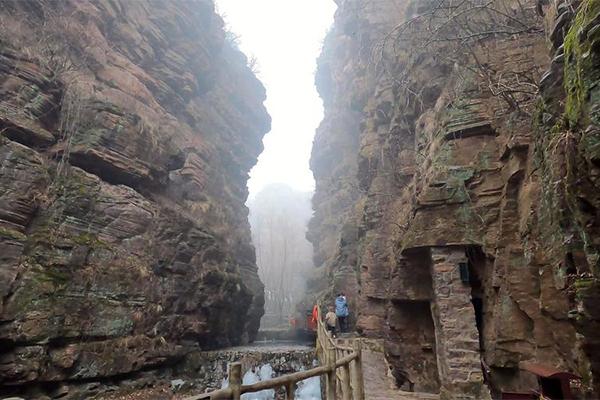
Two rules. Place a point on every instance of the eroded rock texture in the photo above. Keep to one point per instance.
(127, 132)
(457, 188)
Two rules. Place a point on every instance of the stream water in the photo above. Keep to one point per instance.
(308, 389)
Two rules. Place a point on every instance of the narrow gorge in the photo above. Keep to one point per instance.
(456, 203)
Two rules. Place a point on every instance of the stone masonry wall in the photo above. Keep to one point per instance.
(207, 370)
(457, 339)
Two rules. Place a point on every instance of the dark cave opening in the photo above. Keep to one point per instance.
(476, 265)
(478, 306)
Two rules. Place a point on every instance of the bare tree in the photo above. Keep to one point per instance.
(453, 31)
(279, 218)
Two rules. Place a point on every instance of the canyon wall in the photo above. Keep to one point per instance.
(127, 130)
(457, 188)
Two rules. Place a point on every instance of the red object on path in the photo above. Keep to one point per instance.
(311, 322)
(545, 371)
(554, 384)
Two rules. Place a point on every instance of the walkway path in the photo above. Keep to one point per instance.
(269, 347)
(379, 385)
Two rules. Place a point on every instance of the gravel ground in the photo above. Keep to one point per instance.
(157, 393)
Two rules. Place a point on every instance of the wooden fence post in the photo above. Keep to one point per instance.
(331, 379)
(358, 387)
(290, 390)
(235, 380)
(319, 348)
(346, 389)
(339, 374)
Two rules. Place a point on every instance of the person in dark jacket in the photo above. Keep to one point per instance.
(341, 311)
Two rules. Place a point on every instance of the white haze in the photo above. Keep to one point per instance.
(285, 36)
(278, 219)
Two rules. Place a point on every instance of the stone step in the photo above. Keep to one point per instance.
(400, 395)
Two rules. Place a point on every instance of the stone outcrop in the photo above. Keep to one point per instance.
(456, 194)
(127, 130)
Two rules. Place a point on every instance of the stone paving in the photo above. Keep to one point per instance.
(379, 384)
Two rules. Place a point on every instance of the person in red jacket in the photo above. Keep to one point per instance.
(314, 318)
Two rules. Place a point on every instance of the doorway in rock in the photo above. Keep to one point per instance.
(478, 306)
(410, 346)
(476, 269)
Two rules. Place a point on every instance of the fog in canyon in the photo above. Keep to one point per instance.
(279, 217)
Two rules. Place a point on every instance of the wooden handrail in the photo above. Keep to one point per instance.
(283, 380)
(346, 360)
(350, 380)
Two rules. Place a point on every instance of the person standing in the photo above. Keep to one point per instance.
(341, 311)
(331, 321)
(312, 322)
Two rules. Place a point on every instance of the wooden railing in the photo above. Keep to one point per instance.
(341, 366)
(347, 377)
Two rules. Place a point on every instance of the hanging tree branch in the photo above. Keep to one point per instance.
(453, 31)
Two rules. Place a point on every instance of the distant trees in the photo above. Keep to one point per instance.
(279, 218)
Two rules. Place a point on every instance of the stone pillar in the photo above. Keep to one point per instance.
(457, 339)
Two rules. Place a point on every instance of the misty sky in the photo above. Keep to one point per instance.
(285, 36)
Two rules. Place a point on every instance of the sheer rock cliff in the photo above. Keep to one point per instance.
(127, 130)
(457, 188)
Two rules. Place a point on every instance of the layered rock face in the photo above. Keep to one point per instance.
(457, 194)
(127, 132)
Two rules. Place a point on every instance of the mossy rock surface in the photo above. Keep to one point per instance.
(12, 234)
(582, 75)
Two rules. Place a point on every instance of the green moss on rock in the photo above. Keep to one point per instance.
(12, 234)
(89, 240)
(581, 77)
